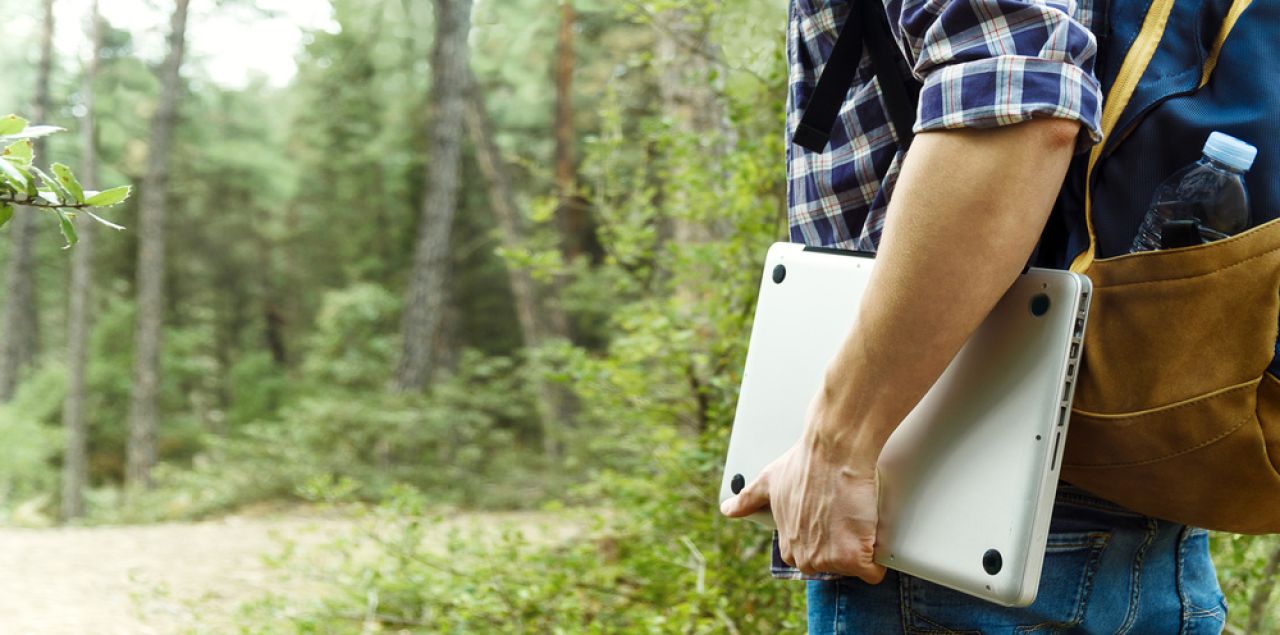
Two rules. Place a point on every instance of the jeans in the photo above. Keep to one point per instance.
(1106, 570)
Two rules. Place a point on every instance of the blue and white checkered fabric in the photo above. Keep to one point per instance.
(981, 63)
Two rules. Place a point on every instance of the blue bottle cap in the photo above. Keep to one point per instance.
(1230, 151)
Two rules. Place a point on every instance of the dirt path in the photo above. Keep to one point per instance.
(165, 578)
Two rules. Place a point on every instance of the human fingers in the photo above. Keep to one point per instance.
(857, 561)
(750, 500)
(784, 550)
(873, 575)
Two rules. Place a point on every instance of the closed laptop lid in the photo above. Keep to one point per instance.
(968, 478)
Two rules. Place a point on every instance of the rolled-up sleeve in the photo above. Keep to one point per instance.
(987, 63)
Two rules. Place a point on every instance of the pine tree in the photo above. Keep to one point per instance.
(143, 407)
(424, 305)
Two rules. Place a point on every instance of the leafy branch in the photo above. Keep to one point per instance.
(690, 44)
(22, 183)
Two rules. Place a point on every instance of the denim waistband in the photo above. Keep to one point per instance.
(1070, 495)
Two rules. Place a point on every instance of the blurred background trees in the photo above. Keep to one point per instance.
(492, 256)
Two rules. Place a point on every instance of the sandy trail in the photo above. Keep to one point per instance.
(141, 579)
(163, 578)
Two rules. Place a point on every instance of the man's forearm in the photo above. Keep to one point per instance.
(967, 211)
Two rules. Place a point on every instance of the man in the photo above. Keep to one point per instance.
(1009, 96)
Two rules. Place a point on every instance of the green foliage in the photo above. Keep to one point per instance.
(655, 409)
(594, 574)
(354, 346)
(12, 124)
(28, 474)
(70, 186)
(23, 183)
(458, 442)
(337, 421)
(258, 387)
(188, 398)
(108, 198)
(1241, 562)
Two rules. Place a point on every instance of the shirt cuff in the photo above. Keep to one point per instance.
(1009, 89)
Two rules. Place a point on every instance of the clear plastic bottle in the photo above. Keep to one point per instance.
(1202, 202)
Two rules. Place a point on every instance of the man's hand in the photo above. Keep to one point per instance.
(823, 500)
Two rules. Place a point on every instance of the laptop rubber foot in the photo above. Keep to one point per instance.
(992, 562)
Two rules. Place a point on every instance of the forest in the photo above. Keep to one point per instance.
(468, 286)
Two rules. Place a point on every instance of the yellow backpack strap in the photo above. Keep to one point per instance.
(1228, 23)
(1131, 70)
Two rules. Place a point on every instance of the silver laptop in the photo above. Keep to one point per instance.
(968, 479)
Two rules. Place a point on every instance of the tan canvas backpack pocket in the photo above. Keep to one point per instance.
(1175, 415)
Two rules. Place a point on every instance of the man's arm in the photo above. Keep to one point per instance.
(966, 213)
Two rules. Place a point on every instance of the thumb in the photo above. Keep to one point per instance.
(750, 500)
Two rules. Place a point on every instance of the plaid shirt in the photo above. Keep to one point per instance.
(981, 63)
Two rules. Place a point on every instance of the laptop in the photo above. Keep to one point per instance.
(968, 479)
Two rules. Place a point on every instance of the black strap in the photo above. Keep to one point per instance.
(833, 85)
(885, 57)
(871, 28)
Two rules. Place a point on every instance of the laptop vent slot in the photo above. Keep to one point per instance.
(1073, 364)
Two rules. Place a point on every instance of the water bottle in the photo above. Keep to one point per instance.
(1202, 202)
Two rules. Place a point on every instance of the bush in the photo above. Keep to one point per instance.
(460, 442)
(31, 429)
(354, 345)
(662, 561)
(1242, 563)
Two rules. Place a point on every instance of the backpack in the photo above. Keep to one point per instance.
(1176, 414)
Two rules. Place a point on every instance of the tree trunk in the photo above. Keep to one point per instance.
(691, 95)
(21, 335)
(273, 328)
(75, 459)
(141, 455)
(424, 302)
(683, 77)
(539, 320)
(1262, 595)
(572, 212)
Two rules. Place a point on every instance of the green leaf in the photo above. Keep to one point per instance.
(12, 124)
(52, 186)
(6, 212)
(32, 190)
(104, 221)
(22, 151)
(14, 175)
(68, 180)
(113, 196)
(34, 132)
(68, 229)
